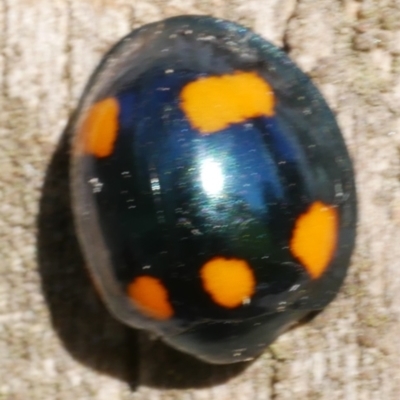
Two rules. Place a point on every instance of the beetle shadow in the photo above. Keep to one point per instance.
(85, 327)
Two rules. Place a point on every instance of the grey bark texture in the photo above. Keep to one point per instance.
(56, 339)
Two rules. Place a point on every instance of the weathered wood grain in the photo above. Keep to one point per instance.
(56, 339)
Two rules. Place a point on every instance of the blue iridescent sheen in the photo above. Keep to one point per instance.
(195, 196)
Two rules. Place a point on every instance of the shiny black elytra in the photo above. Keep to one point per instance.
(213, 194)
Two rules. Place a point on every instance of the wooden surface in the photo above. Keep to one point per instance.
(56, 339)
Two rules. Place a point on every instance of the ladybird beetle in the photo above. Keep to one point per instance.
(212, 190)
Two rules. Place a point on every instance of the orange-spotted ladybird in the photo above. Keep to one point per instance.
(213, 194)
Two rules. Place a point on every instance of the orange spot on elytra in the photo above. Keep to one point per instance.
(151, 297)
(215, 102)
(229, 282)
(314, 238)
(100, 127)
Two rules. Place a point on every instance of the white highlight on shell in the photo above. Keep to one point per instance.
(212, 177)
